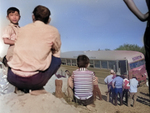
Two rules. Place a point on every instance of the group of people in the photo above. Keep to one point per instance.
(119, 84)
(143, 17)
(34, 56)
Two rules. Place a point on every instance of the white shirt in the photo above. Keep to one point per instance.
(108, 79)
(133, 85)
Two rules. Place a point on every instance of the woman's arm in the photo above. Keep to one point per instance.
(131, 5)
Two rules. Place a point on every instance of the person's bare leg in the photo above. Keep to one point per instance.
(99, 93)
(94, 92)
(58, 90)
(121, 100)
(129, 99)
(134, 100)
(116, 95)
(70, 94)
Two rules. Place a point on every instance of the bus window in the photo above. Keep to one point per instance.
(74, 62)
(91, 63)
(122, 66)
(68, 62)
(63, 61)
(104, 64)
(137, 64)
(97, 63)
(112, 65)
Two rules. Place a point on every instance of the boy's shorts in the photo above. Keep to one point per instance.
(85, 102)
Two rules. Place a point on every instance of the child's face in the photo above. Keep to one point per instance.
(14, 17)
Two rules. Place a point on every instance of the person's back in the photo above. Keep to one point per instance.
(33, 47)
(83, 83)
(108, 79)
(133, 91)
(126, 84)
(118, 82)
(133, 85)
(118, 87)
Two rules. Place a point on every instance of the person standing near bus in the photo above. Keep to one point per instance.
(126, 87)
(143, 17)
(117, 84)
(133, 90)
(108, 80)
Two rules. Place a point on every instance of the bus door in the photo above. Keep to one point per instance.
(122, 65)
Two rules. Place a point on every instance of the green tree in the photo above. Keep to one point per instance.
(131, 47)
(107, 49)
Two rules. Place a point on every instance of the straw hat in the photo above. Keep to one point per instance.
(112, 71)
(118, 73)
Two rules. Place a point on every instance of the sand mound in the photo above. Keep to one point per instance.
(44, 103)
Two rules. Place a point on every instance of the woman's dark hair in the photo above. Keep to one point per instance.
(82, 61)
(42, 13)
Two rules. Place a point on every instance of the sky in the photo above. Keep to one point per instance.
(83, 24)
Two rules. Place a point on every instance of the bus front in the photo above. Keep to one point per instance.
(137, 68)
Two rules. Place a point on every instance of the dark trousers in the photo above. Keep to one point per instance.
(125, 94)
(36, 81)
(111, 94)
(147, 52)
(118, 91)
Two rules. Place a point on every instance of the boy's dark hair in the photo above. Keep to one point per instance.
(42, 13)
(82, 61)
(12, 10)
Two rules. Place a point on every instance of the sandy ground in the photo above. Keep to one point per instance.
(48, 103)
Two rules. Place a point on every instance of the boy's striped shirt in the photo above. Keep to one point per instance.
(83, 83)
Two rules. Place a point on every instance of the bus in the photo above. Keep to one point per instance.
(125, 62)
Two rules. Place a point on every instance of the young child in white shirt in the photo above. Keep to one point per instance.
(10, 32)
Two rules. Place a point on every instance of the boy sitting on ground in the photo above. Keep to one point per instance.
(83, 83)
